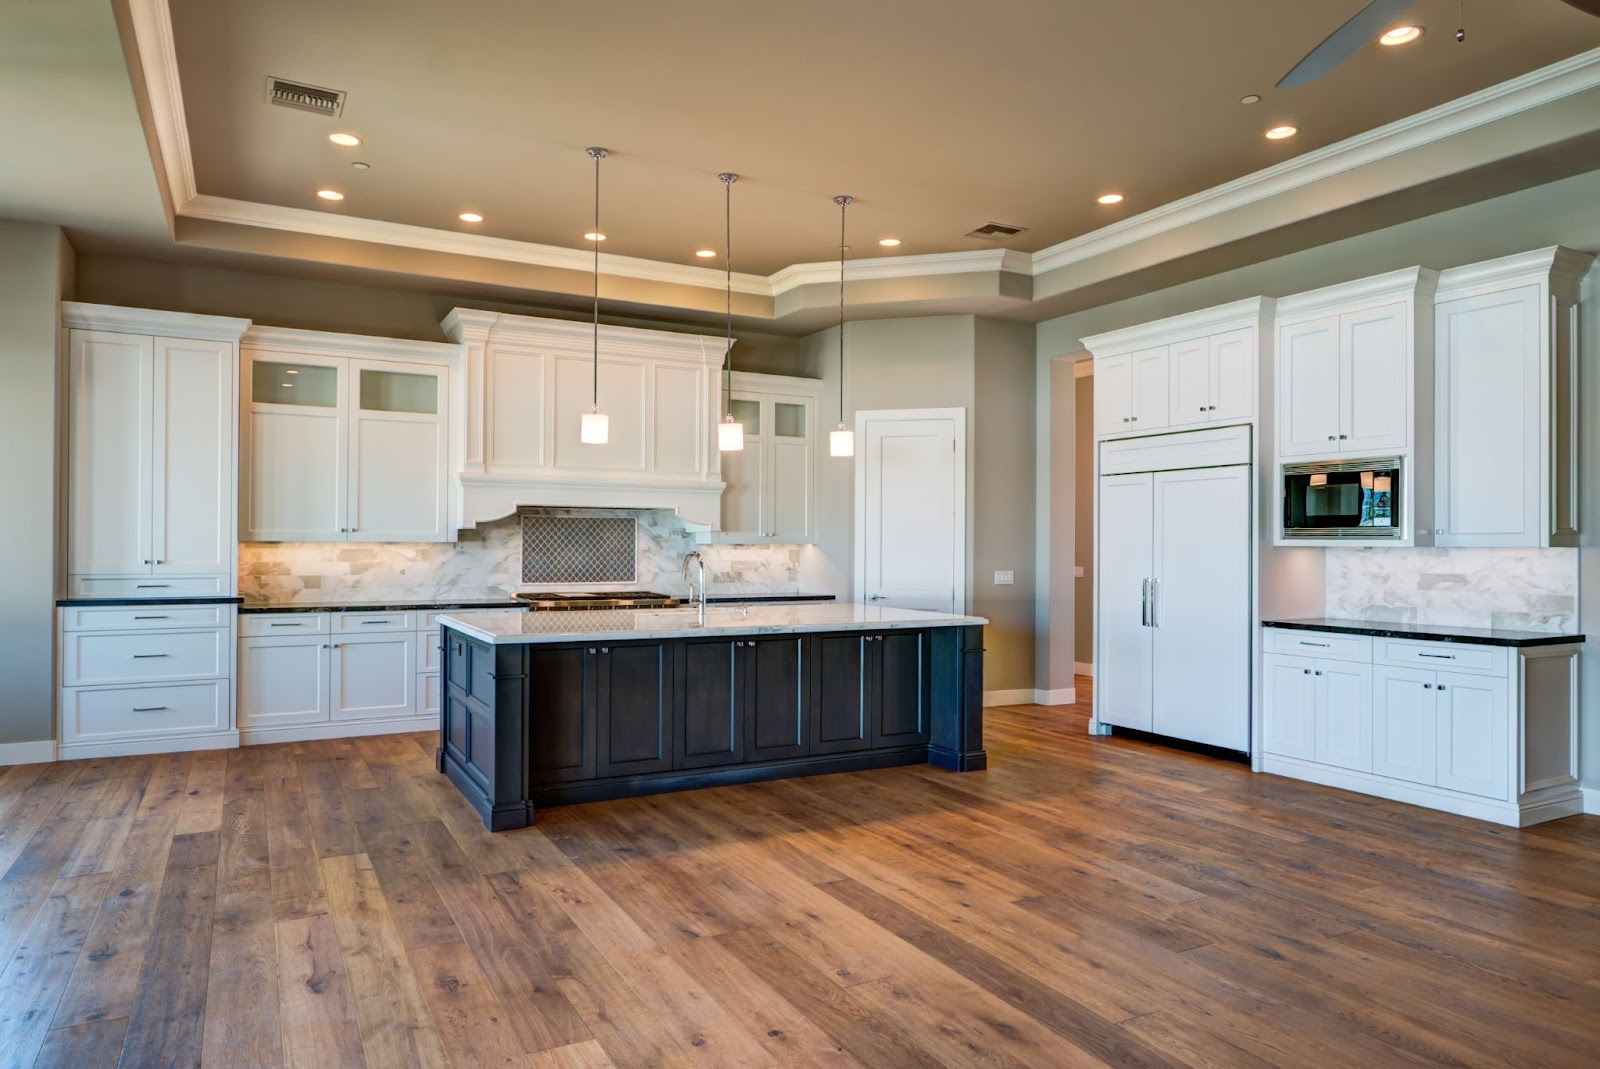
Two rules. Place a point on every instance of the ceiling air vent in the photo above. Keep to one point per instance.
(287, 94)
(996, 232)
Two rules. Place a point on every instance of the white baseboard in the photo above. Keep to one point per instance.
(1083, 668)
(338, 729)
(1065, 696)
(27, 753)
(215, 740)
(1591, 800)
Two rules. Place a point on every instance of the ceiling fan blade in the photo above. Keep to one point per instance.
(1591, 7)
(1347, 40)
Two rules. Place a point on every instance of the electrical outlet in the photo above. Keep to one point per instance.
(1004, 578)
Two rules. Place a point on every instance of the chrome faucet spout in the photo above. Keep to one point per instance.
(700, 562)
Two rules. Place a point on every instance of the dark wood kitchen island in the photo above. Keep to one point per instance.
(555, 708)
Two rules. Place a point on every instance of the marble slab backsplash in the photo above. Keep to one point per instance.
(1517, 589)
(487, 562)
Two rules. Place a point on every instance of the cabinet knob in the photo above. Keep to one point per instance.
(1202, 408)
(1331, 437)
(605, 649)
(1124, 419)
(1439, 687)
(1307, 671)
(1427, 686)
(1342, 437)
(1319, 673)
(1135, 419)
(1213, 408)
(591, 649)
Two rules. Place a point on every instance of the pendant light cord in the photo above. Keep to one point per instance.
(843, 202)
(728, 179)
(598, 154)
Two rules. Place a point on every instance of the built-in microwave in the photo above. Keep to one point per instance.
(1354, 499)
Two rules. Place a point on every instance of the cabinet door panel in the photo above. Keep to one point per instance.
(773, 672)
(1489, 434)
(622, 399)
(193, 508)
(1403, 733)
(1190, 400)
(1474, 722)
(838, 694)
(899, 689)
(374, 676)
(635, 703)
(1233, 374)
(791, 491)
(293, 462)
(1113, 394)
(1289, 701)
(283, 681)
(1150, 389)
(110, 453)
(1375, 379)
(398, 452)
(1344, 715)
(744, 504)
(562, 710)
(1122, 693)
(708, 704)
(1308, 388)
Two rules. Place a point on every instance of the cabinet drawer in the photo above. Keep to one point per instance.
(1324, 644)
(92, 657)
(135, 711)
(148, 586)
(143, 617)
(365, 622)
(283, 623)
(1444, 656)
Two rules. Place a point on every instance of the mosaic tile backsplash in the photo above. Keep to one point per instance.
(1518, 589)
(487, 563)
(579, 549)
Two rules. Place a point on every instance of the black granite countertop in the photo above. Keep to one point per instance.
(1477, 636)
(389, 605)
(766, 599)
(113, 602)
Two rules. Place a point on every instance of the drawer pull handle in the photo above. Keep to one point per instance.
(149, 656)
(148, 708)
(1323, 645)
(373, 623)
(296, 623)
(151, 586)
(1439, 656)
(151, 617)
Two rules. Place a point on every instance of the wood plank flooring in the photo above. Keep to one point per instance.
(1083, 902)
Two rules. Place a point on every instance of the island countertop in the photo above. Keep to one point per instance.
(621, 625)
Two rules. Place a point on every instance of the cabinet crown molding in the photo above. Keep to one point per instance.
(327, 343)
(117, 319)
(1562, 266)
(1411, 283)
(1252, 312)
(474, 326)
(762, 382)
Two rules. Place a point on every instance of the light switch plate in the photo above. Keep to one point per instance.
(1077, 572)
(1004, 578)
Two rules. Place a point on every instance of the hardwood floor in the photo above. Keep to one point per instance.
(1082, 902)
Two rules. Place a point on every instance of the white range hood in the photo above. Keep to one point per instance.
(526, 383)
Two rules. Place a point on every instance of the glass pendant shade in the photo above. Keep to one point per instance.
(596, 428)
(841, 442)
(730, 435)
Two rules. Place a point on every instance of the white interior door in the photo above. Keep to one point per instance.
(110, 453)
(193, 510)
(1122, 691)
(911, 520)
(398, 453)
(1201, 605)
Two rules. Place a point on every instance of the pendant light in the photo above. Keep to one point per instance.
(596, 428)
(841, 440)
(730, 432)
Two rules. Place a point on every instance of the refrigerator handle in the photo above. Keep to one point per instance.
(1155, 603)
(1144, 603)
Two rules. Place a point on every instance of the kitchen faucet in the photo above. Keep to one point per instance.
(694, 555)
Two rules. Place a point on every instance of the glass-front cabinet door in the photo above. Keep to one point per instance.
(293, 448)
(770, 482)
(397, 453)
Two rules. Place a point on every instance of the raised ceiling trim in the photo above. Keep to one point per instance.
(893, 267)
(158, 55)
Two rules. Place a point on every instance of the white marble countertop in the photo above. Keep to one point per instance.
(621, 625)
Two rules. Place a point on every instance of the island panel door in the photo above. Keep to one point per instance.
(899, 692)
(838, 694)
(635, 709)
(708, 730)
(561, 714)
(772, 674)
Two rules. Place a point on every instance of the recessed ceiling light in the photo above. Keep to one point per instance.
(361, 166)
(1278, 133)
(291, 371)
(330, 194)
(470, 217)
(592, 236)
(1401, 35)
(1250, 98)
(705, 254)
(345, 140)
(1110, 198)
(889, 243)
(286, 385)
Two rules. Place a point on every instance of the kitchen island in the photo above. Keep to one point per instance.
(556, 708)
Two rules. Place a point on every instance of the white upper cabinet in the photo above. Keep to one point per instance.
(347, 438)
(771, 482)
(526, 384)
(1355, 367)
(152, 417)
(1505, 343)
(1191, 370)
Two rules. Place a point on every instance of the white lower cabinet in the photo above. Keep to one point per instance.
(1492, 734)
(373, 676)
(148, 678)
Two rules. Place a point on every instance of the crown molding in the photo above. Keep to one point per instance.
(158, 55)
(1411, 283)
(121, 320)
(1556, 264)
(897, 267)
(1547, 84)
(474, 326)
(327, 343)
(1251, 312)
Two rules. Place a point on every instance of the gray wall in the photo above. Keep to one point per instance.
(1589, 543)
(35, 265)
(1083, 522)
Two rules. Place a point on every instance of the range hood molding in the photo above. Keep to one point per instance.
(525, 382)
